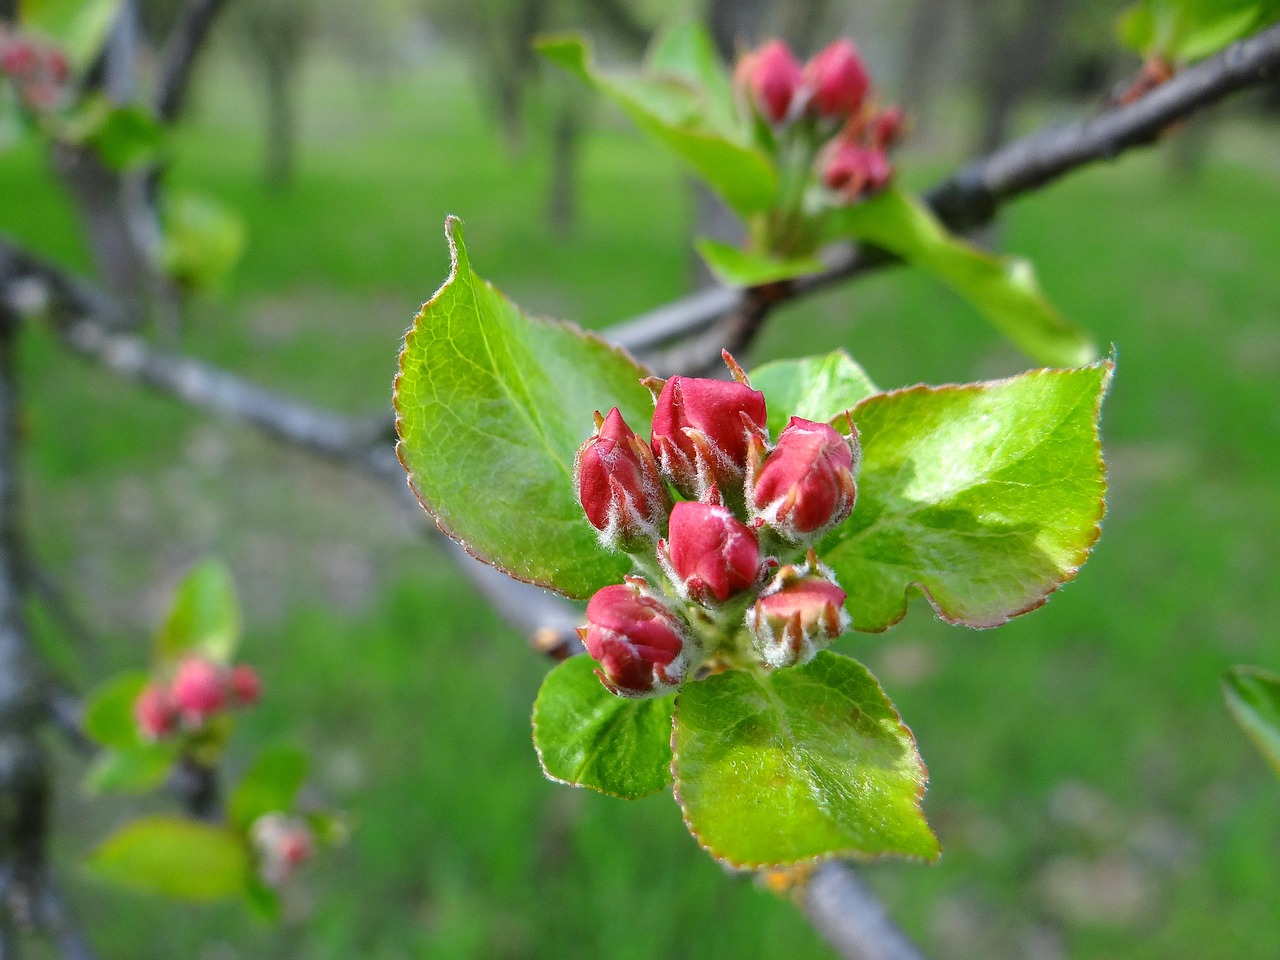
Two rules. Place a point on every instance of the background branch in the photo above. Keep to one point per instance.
(180, 55)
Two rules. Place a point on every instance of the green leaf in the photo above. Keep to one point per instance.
(270, 785)
(262, 900)
(687, 51)
(78, 26)
(743, 268)
(128, 137)
(205, 616)
(173, 857)
(108, 711)
(1189, 30)
(812, 761)
(676, 114)
(1136, 29)
(491, 407)
(815, 388)
(1003, 289)
(133, 769)
(985, 497)
(1253, 696)
(587, 737)
(203, 240)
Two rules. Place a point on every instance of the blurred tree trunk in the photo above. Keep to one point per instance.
(566, 148)
(927, 30)
(281, 131)
(273, 34)
(1013, 59)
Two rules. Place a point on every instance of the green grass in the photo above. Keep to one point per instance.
(1088, 786)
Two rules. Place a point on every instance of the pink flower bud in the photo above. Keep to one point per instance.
(245, 685)
(18, 58)
(55, 65)
(711, 554)
(770, 77)
(618, 485)
(837, 80)
(799, 613)
(638, 642)
(283, 845)
(199, 689)
(805, 486)
(154, 712)
(887, 128)
(701, 431)
(855, 171)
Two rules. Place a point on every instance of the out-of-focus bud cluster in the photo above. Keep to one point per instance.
(38, 70)
(828, 105)
(198, 690)
(717, 519)
(282, 844)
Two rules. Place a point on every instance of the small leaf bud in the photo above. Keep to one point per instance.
(805, 486)
(638, 642)
(617, 482)
(711, 554)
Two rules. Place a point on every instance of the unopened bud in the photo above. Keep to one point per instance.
(283, 844)
(837, 80)
(199, 689)
(638, 642)
(805, 487)
(154, 712)
(245, 685)
(855, 171)
(887, 127)
(770, 78)
(798, 614)
(618, 485)
(711, 554)
(55, 65)
(701, 431)
(18, 58)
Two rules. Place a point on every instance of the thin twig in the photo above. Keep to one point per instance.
(180, 55)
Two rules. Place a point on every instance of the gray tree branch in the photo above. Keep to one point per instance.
(180, 54)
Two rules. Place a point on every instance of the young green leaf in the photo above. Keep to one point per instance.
(173, 857)
(674, 112)
(132, 769)
(203, 240)
(1185, 31)
(985, 497)
(271, 785)
(1003, 289)
(687, 51)
(128, 137)
(587, 737)
(491, 407)
(816, 388)
(204, 618)
(742, 268)
(78, 26)
(1253, 696)
(108, 711)
(812, 761)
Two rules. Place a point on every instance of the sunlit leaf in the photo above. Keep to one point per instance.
(204, 618)
(744, 268)
(1253, 696)
(815, 388)
(176, 858)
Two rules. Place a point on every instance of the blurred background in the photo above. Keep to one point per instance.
(1092, 795)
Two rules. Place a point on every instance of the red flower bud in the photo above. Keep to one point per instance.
(199, 689)
(771, 78)
(805, 486)
(701, 431)
(711, 554)
(55, 65)
(154, 712)
(283, 844)
(618, 485)
(245, 685)
(855, 171)
(638, 642)
(799, 613)
(837, 80)
(18, 58)
(887, 128)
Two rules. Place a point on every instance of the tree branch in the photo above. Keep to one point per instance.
(180, 54)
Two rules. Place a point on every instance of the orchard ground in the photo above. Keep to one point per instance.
(1091, 793)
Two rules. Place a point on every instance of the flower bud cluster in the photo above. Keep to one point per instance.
(198, 690)
(827, 105)
(38, 70)
(717, 519)
(282, 844)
